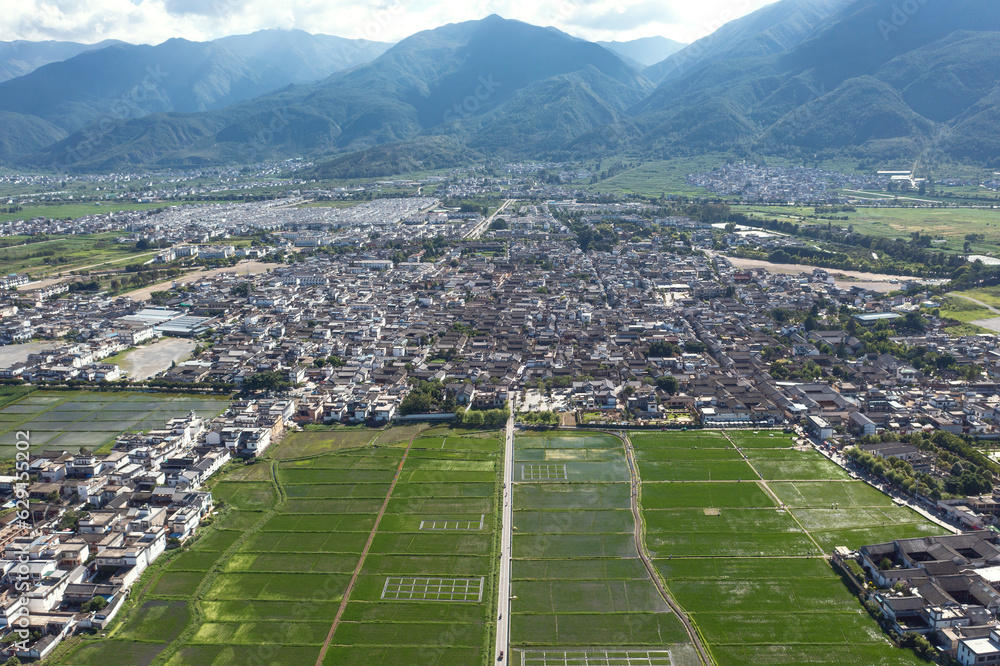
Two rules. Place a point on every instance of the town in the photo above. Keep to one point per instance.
(402, 310)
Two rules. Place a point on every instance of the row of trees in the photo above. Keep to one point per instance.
(970, 471)
(481, 418)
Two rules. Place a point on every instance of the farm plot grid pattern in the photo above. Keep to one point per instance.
(578, 583)
(71, 419)
(459, 525)
(284, 569)
(753, 558)
(610, 657)
(433, 589)
(543, 472)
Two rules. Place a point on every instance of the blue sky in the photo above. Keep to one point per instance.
(152, 21)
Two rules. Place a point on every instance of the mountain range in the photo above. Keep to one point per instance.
(868, 79)
(21, 57)
(644, 52)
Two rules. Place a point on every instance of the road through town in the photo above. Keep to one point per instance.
(506, 523)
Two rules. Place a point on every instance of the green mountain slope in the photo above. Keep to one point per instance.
(857, 85)
(468, 79)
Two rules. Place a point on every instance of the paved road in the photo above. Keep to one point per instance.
(480, 228)
(640, 546)
(507, 521)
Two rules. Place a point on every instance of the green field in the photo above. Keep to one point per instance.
(966, 312)
(578, 582)
(660, 177)
(313, 442)
(65, 253)
(265, 583)
(750, 572)
(951, 224)
(69, 420)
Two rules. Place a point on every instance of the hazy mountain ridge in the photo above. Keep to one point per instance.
(773, 29)
(844, 77)
(21, 57)
(644, 52)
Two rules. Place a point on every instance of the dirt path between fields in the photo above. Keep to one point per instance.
(364, 554)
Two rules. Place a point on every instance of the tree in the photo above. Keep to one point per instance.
(416, 402)
(667, 383)
(662, 349)
(266, 381)
(95, 604)
(780, 315)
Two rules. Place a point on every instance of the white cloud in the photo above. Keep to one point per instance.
(152, 21)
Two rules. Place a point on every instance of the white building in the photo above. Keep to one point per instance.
(978, 651)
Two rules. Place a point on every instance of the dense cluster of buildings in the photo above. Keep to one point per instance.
(97, 521)
(946, 588)
(781, 184)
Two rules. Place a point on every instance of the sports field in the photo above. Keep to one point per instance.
(580, 592)
(69, 420)
(266, 583)
(745, 557)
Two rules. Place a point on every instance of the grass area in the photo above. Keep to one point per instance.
(751, 573)
(269, 577)
(314, 442)
(988, 295)
(578, 580)
(65, 253)
(951, 224)
(965, 312)
(71, 211)
(120, 357)
(660, 177)
(9, 394)
(70, 420)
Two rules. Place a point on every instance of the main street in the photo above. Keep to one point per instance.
(478, 230)
(506, 523)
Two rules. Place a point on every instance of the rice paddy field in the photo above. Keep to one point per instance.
(578, 585)
(271, 581)
(69, 420)
(744, 556)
